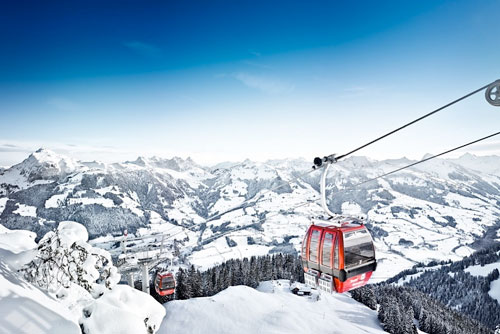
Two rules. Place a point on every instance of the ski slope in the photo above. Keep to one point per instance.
(26, 309)
(271, 308)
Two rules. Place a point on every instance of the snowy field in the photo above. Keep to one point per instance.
(271, 308)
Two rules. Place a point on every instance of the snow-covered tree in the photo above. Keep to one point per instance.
(84, 280)
(365, 295)
(65, 257)
(181, 289)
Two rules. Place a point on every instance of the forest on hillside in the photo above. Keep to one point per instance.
(449, 283)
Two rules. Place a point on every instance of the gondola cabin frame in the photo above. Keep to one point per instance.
(338, 257)
(165, 284)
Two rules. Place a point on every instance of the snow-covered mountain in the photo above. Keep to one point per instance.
(437, 210)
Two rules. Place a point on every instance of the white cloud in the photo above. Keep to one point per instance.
(263, 83)
(144, 49)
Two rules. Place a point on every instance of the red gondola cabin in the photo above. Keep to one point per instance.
(338, 258)
(165, 284)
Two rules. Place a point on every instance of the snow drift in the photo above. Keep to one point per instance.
(271, 308)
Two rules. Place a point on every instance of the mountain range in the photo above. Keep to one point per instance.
(442, 209)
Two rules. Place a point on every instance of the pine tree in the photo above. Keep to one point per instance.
(181, 289)
(191, 282)
(197, 285)
(266, 268)
(245, 272)
(227, 276)
(274, 267)
(365, 295)
(207, 280)
(253, 279)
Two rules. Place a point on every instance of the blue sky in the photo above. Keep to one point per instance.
(228, 80)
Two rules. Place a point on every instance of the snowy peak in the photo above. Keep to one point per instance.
(426, 156)
(357, 162)
(94, 164)
(176, 163)
(140, 161)
(485, 164)
(46, 165)
(224, 165)
(42, 166)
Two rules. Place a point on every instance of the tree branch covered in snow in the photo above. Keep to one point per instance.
(65, 257)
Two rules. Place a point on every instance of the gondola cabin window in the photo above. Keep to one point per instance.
(314, 245)
(157, 280)
(304, 246)
(358, 248)
(327, 250)
(167, 282)
(336, 256)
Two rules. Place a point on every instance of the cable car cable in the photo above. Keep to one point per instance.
(412, 122)
(420, 161)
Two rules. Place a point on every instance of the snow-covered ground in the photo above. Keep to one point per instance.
(432, 212)
(23, 307)
(25, 210)
(495, 290)
(479, 270)
(271, 308)
(26, 309)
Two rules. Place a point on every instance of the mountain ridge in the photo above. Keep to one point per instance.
(434, 211)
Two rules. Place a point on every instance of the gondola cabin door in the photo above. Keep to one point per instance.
(338, 258)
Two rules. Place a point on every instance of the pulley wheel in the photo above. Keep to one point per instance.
(493, 94)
